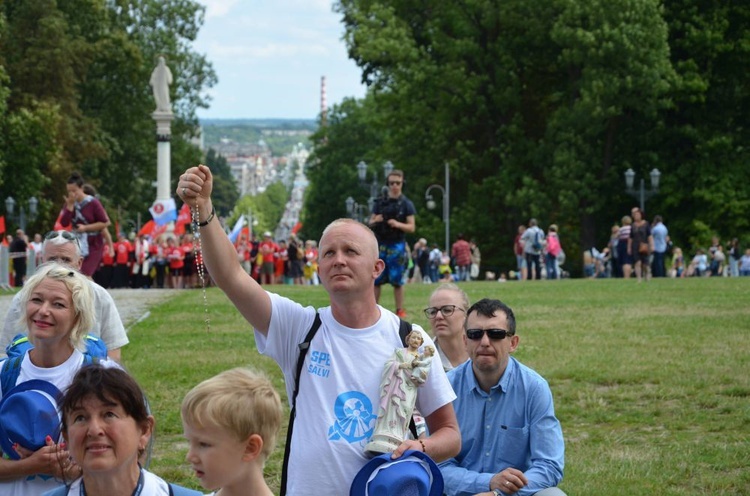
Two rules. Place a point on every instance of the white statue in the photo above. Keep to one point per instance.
(403, 373)
(161, 78)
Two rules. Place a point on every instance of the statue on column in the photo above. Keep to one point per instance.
(404, 372)
(161, 78)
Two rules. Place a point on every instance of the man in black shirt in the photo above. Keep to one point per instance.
(393, 217)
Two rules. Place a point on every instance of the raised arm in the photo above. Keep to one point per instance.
(219, 255)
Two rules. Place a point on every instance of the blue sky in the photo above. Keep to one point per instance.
(269, 56)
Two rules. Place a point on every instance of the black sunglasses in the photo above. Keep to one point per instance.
(391, 183)
(65, 234)
(446, 310)
(494, 334)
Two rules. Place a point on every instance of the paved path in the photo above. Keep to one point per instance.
(133, 304)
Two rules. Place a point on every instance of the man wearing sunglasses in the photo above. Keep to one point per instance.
(506, 415)
(393, 217)
(62, 247)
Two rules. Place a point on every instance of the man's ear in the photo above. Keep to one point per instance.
(379, 268)
(514, 340)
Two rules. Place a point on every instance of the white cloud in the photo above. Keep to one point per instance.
(269, 56)
(218, 8)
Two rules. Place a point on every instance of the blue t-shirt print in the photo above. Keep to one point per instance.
(355, 419)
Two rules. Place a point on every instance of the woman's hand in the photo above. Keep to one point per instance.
(52, 459)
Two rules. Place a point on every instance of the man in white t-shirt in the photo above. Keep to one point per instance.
(339, 391)
(62, 247)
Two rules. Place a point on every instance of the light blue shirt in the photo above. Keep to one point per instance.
(512, 426)
(659, 233)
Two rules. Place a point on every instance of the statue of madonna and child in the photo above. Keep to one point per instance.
(403, 373)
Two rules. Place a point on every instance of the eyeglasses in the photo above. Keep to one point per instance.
(446, 310)
(494, 334)
(65, 234)
(392, 183)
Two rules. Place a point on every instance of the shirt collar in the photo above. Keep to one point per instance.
(503, 385)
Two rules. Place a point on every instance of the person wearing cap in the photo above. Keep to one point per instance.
(62, 247)
(58, 303)
(339, 388)
(512, 442)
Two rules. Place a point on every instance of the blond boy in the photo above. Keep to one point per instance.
(231, 422)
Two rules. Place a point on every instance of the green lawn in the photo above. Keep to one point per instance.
(651, 381)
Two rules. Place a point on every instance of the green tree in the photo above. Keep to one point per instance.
(706, 132)
(265, 209)
(225, 193)
(350, 137)
(534, 105)
(79, 73)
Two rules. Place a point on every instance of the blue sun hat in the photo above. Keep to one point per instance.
(413, 474)
(28, 414)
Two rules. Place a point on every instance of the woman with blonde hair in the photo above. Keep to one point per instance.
(59, 311)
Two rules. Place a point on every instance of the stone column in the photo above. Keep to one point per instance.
(163, 153)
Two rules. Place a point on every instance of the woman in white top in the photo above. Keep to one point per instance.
(58, 304)
(107, 426)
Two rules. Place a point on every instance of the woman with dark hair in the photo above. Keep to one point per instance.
(107, 426)
(88, 218)
(641, 245)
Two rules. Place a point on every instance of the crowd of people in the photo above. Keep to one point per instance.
(645, 250)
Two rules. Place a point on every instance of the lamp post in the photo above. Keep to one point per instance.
(446, 204)
(355, 210)
(642, 193)
(376, 188)
(22, 216)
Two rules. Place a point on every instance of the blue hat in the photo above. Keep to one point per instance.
(413, 474)
(28, 414)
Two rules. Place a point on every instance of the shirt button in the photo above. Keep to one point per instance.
(487, 454)
(488, 427)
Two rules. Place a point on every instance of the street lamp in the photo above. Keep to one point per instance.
(446, 204)
(21, 217)
(642, 193)
(355, 211)
(376, 188)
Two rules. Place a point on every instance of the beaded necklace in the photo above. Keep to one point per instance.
(198, 255)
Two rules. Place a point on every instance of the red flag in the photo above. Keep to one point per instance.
(184, 215)
(2, 224)
(147, 228)
(297, 227)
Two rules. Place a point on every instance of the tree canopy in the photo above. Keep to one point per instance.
(539, 108)
(75, 95)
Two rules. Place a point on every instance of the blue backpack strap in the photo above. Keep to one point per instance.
(19, 345)
(11, 369)
(95, 346)
(177, 490)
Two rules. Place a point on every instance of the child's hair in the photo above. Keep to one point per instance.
(241, 401)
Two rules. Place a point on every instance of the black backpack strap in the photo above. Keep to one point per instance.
(404, 328)
(303, 347)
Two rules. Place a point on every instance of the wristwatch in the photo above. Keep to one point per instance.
(497, 492)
